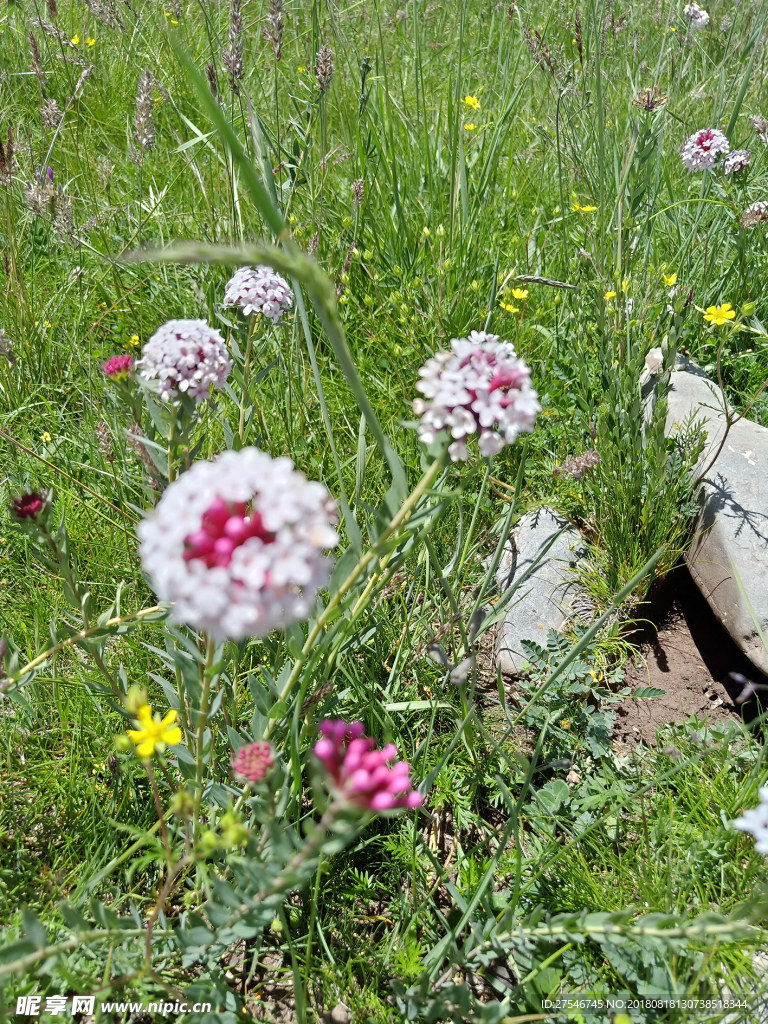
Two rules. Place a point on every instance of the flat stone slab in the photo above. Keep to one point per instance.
(542, 549)
(732, 533)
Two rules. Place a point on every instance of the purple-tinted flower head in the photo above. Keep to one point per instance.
(49, 172)
(118, 367)
(28, 506)
(362, 775)
(702, 149)
(253, 761)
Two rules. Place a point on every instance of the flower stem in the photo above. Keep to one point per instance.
(246, 376)
(202, 721)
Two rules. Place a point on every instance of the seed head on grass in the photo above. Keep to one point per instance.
(6, 159)
(358, 190)
(273, 31)
(37, 66)
(6, 347)
(210, 71)
(324, 68)
(233, 56)
(50, 114)
(104, 441)
(53, 10)
(650, 99)
(143, 121)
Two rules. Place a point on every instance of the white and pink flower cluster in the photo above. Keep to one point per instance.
(479, 387)
(698, 18)
(259, 290)
(362, 775)
(755, 820)
(703, 149)
(185, 357)
(237, 544)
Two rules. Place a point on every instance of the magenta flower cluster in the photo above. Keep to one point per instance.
(253, 761)
(118, 367)
(362, 775)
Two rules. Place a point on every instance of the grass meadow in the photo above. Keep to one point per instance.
(440, 167)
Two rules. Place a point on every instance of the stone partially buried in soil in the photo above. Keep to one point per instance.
(542, 550)
(731, 541)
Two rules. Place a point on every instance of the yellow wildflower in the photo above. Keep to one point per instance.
(719, 315)
(75, 40)
(470, 127)
(588, 209)
(154, 733)
(301, 69)
(609, 296)
(472, 102)
(624, 286)
(669, 279)
(46, 436)
(509, 307)
(565, 724)
(133, 341)
(520, 293)
(90, 41)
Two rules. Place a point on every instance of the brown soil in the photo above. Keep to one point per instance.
(686, 652)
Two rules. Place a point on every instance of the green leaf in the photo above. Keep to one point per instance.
(33, 928)
(647, 692)
(278, 710)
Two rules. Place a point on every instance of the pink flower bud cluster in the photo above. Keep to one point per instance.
(477, 387)
(225, 527)
(362, 775)
(253, 761)
(259, 290)
(118, 367)
(701, 150)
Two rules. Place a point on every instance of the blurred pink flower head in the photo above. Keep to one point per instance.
(118, 367)
(28, 506)
(254, 761)
(362, 775)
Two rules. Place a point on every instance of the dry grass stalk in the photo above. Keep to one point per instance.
(37, 66)
(273, 32)
(233, 57)
(143, 121)
(324, 68)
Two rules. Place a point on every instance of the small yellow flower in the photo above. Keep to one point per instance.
(133, 341)
(426, 232)
(588, 209)
(469, 127)
(472, 102)
(673, 29)
(624, 286)
(520, 293)
(509, 307)
(609, 296)
(576, 206)
(174, 22)
(301, 70)
(669, 279)
(565, 724)
(46, 436)
(90, 41)
(154, 733)
(719, 315)
(75, 40)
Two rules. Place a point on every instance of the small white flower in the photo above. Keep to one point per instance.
(702, 149)
(237, 544)
(755, 820)
(699, 19)
(480, 387)
(185, 357)
(259, 290)
(736, 161)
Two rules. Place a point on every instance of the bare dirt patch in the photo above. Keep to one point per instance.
(685, 652)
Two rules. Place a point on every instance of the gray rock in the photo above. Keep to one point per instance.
(732, 534)
(542, 549)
